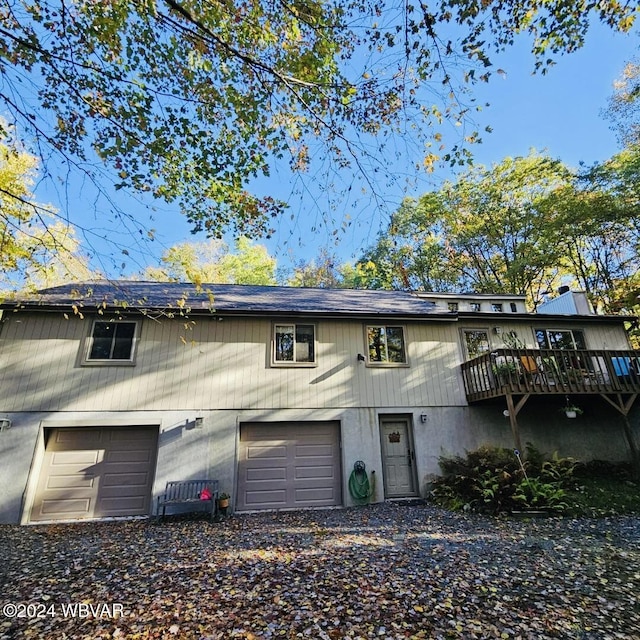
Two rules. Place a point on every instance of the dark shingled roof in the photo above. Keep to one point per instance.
(232, 299)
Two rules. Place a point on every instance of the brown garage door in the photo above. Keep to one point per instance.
(289, 465)
(96, 472)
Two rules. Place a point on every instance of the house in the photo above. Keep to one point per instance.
(110, 389)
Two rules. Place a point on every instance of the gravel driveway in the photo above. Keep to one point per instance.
(383, 571)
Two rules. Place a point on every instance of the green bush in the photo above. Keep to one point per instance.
(534, 493)
(604, 469)
(493, 480)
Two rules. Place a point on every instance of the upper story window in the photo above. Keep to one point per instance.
(560, 339)
(513, 306)
(496, 307)
(294, 344)
(452, 306)
(476, 342)
(475, 306)
(111, 342)
(386, 344)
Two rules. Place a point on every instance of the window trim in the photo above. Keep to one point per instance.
(110, 362)
(292, 363)
(386, 364)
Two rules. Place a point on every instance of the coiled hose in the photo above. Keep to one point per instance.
(360, 488)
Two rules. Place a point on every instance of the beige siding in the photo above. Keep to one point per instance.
(597, 336)
(226, 365)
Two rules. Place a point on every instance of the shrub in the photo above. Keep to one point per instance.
(534, 493)
(604, 469)
(492, 480)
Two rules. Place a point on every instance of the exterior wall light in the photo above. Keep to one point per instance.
(5, 424)
(423, 417)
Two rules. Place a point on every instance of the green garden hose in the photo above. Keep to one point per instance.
(359, 487)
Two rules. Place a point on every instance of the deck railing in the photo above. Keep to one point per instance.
(551, 371)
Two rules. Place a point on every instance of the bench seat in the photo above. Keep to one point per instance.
(187, 492)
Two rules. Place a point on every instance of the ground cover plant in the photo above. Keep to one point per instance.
(498, 480)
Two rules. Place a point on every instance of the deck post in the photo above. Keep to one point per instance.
(635, 454)
(624, 408)
(513, 419)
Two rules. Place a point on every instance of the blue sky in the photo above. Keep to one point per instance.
(559, 113)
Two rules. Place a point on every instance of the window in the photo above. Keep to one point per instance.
(514, 307)
(475, 306)
(294, 344)
(568, 340)
(560, 339)
(385, 344)
(496, 307)
(452, 306)
(111, 342)
(476, 342)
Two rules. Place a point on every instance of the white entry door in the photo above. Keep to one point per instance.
(398, 458)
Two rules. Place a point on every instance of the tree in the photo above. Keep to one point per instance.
(322, 272)
(602, 210)
(36, 249)
(624, 105)
(412, 252)
(189, 102)
(491, 231)
(212, 262)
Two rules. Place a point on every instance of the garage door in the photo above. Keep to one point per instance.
(96, 472)
(289, 465)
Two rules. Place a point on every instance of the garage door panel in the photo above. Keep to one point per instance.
(137, 455)
(130, 434)
(305, 472)
(317, 496)
(68, 439)
(313, 450)
(73, 481)
(265, 473)
(104, 471)
(111, 480)
(273, 452)
(266, 499)
(321, 472)
(123, 504)
(76, 458)
(64, 507)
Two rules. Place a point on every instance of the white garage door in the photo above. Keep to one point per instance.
(96, 472)
(289, 465)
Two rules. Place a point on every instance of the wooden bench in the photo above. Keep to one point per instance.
(180, 492)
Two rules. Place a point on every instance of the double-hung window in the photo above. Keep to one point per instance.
(111, 342)
(294, 344)
(386, 344)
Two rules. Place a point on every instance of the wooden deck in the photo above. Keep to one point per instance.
(514, 372)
